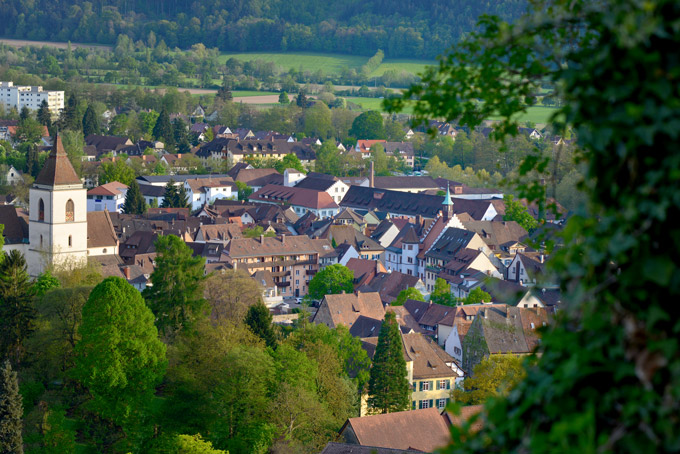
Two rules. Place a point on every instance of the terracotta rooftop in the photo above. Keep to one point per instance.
(345, 309)
(113, 188)
(422, 430)
(58, 169)
(100, 232)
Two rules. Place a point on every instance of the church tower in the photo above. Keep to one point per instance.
(58, 215)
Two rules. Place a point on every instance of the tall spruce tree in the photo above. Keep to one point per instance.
(176, 297)
(44, 115)
(90, 122)
(259, 320)
(11, 411)
(16, 305)
(388, 387)
(171, 195)
(134, 201)
(69, 115)
(162, 130)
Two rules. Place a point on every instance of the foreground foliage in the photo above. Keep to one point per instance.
(608, 379)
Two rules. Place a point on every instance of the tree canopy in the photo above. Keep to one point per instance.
(368, 126)
(119, 357)
(331, 280)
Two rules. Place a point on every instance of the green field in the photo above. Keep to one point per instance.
(373, 104)
(536, 114)
(247, 93)
(328, 63)
(409, 66)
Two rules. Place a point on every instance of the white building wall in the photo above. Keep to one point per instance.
(31, 97)
(112, 203)
(55, 241)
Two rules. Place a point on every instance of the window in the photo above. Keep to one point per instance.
(425, 386)
(425, 404)
(70, 241)
(441, 403)
(69, 211)
(443, 384)
(297, 282)
(41, 212)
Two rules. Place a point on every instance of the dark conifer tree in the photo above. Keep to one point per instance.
(44, 115)
(259, 320)
(388, 387)
(25, 113)
(171, 195)
(162, 130)
(69, 116)
(182, 198)
(302, 99)
(134, 201)
(90, 122)
(16, 305)
(11, 411)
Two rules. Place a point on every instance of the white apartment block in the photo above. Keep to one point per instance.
(31, 97)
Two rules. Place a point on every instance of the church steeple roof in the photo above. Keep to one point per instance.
(447, 198)
(58, 169)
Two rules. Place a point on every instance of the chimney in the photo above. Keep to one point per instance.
(541, 258)
(261, 239)
(126, 272)
(372, 177)
(283, 238)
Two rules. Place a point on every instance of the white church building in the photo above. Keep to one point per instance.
(61, 233)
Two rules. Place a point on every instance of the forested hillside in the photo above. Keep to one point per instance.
(402, 28)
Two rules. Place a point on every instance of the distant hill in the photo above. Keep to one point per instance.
(402, 28)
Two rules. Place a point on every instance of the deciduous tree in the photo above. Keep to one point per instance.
(331, 280)
(119, 357)
(368, 126)
(410, 293)
(495, 375)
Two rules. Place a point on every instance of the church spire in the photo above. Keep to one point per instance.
(448, 203)
(58, 169)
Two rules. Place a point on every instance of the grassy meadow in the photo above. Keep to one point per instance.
(328, 63)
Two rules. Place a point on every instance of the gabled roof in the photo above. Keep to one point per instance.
(100, 231)
(307, 198)
(219, 232)
(450, 242)
(390, 284)
(497, 233)
(422, 430)
(318, 184)
(58, 169)
(347, 448)
(429, 314)
(429, 360)
(406, 182)
(113, 188)
(345, 309)
(502, 329)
